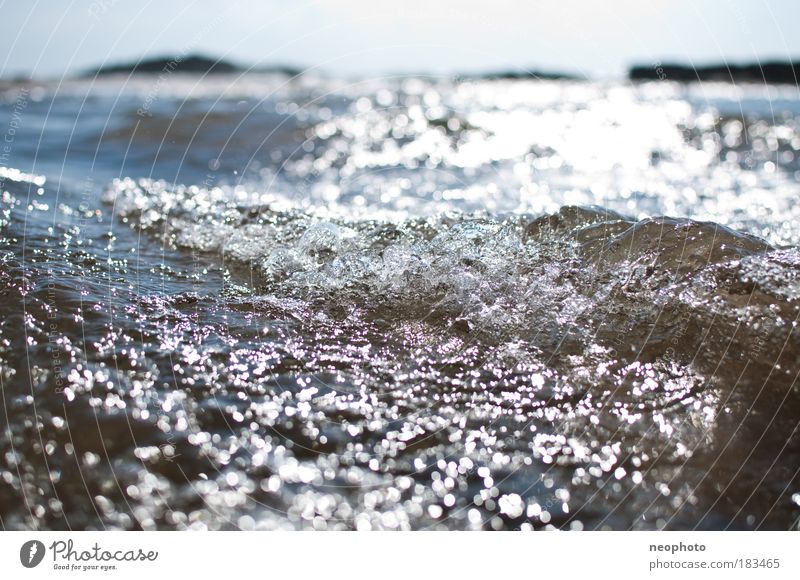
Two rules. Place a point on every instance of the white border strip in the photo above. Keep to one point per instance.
(348, 555)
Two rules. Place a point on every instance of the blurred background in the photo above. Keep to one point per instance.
(51, 38)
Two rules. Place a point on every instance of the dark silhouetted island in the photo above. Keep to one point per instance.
(768, 72)
(186, 64)
(515, 75)
(194, 64)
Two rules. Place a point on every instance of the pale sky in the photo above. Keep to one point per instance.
(361, 37)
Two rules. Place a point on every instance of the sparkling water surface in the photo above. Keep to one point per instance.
(259, 302)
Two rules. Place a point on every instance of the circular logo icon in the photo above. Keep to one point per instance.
(31, 553)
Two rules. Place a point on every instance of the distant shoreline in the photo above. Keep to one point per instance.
(771, 72)
(199, 64)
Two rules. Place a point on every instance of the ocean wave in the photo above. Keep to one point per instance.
(400, 304)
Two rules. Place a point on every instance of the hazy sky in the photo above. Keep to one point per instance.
(596, 38)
